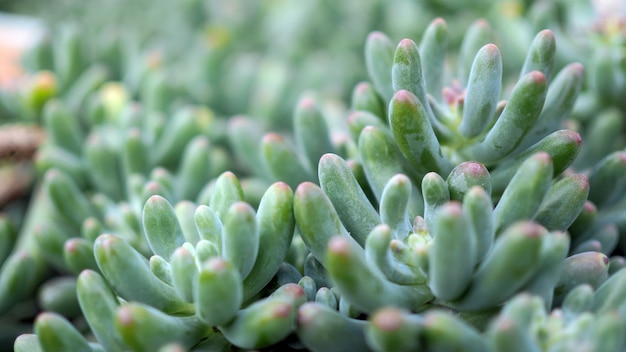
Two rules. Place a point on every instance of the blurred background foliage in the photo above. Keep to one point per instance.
(259, 57)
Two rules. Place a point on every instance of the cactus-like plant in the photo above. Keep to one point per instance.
(206, 263)
(454, 207)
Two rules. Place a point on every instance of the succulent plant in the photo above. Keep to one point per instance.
(206, 263)
(238, 58)
(459, 203)
(586, 321)
(97, 172)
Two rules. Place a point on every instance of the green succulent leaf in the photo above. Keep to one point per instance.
(379, 57)
(218, 292)
(99, 305)
(55, 333)
(482, 92)
(323, 329)
(354, 209)
(114, 256)
(414, 134)
(161, 227)
(519, 116)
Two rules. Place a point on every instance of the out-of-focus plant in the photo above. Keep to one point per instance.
(455, 206)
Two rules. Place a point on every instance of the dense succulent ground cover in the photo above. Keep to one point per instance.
(407, 176)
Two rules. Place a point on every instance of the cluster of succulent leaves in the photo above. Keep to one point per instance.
(238, 57)
(451, 207)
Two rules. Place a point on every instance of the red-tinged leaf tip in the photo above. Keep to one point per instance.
(305, 188)
(125, 316)
(281, 186)
(154, 199)
(449, 95)
(181, 252)
(368, 129)
(477, 191)
(405, 97)
(605, 260)
(340, 138)
(476, 168)
(352, 164)
(383, 228)
(238, 120)
(622, 156)
(439, 21)
(329, 158)
(530, 229)
(548, 34)
(339, 245)
(377, 36)
(473, 168)
(307, 103)
(272, 137)
(400, 180)
(159, 172)
(88, 274)
(407, 44)
(578, 68)
(431, 177)
(217, 264)
(107, 241)
(388, 319)
(453, 208)
(492, 49)
(590, 208)
(582, 181)
(362, 87)
(505, 324)
(307, 313)
(45, 318)
(481, 22)
(240, 207)
(353, 117)
(71, 245)
(542, 157)
(228, 174)
(293, 290)
(419, 222)
(282, 310)
(493, 55)
(537, 77)
(572, 136)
